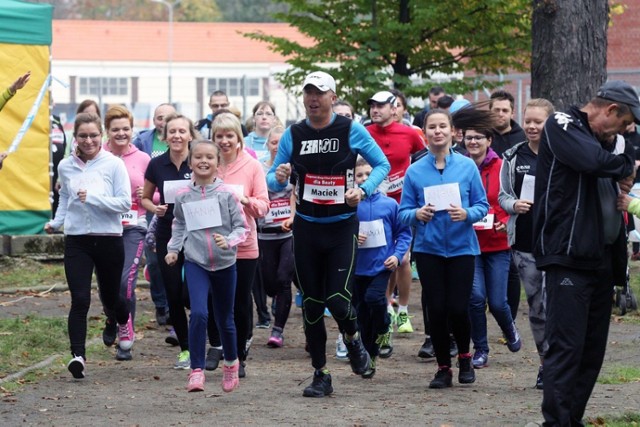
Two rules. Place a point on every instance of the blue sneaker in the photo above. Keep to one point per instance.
(513, 338)
(480, 359)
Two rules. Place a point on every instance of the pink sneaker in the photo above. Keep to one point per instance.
(276, 340)
(230, 377)
(126, 335)
(195, 381)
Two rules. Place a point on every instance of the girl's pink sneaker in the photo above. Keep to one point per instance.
(230, 377)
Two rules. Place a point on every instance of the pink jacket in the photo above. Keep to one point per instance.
(136, 162)
(247, 172)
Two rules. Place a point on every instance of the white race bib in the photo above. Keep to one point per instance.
(374, 230)
(324, 189)
(202, 214)
(393, 183)
(130, 218)
(442, 196)
(171, 188)
(485, 223)
(279, 210)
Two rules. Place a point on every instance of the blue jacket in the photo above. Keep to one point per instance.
(370, 261)
(441, 236)
(144, 141)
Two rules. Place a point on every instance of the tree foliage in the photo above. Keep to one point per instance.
(371, 44)
(135, 10)
(250, 10)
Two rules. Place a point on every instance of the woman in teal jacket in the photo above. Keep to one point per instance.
(442, 197)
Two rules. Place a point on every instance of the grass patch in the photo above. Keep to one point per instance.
(25, 273)
(617, 374)
(624, 420)
(27, 340)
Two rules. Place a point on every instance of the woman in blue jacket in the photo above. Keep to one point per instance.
(442, 197)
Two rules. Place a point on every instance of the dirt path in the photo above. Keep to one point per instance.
(147, 391)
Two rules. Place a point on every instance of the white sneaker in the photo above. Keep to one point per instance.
(126, 335)
(341, 349)
(76, 367)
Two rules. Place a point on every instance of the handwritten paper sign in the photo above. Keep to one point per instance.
(202, 214)
(528, 187)
(171, 188)
(442, 196)
(238, 189)
(90, 181)
(374, 230)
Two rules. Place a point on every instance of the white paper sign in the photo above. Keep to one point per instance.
(528, 187)
(90, 181)
(485, 223)
(172, 187)
(374, 230)
(443, 196)
(202, 214)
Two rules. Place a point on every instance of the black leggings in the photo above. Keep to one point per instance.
(176, 290)
(325, 256)
(242, 308)
(447, 283)
(81, 255)
(276, 268)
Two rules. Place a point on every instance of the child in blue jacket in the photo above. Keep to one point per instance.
(382, 242)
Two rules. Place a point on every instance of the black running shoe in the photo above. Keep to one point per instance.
(110, 332)
(214, 356)
(358, 356)
(369, 373)
(241, 372)
(427, 351)
(453, 346)
(466, 373)
(123, 354)
(442, 379)
(539, 381)
(320, 386)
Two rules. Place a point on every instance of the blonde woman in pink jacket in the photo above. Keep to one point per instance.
(245, 174)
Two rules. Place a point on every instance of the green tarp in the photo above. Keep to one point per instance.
(25, 23)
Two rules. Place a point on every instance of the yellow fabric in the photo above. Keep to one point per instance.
(24, 178)
(6, 95)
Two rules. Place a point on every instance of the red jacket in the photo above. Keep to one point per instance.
(492, 240)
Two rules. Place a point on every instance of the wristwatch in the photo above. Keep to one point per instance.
(364, 193)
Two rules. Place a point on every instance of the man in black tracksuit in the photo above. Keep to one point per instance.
(580, 242)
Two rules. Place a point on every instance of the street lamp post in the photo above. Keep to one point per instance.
(170, 6)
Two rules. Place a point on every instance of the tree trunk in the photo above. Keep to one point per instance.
(569, 50)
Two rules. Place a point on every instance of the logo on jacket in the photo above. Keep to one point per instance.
(563, 119)
(566, 282)
(315, 146)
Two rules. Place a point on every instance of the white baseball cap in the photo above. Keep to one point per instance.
(321, 80)
(383, 97)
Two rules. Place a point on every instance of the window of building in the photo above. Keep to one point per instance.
(102, 86)
(234, 86)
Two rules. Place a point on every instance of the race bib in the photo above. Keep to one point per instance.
(90, 181)
(170, 188)
(324, 189)
(130, 218)
(202, 214)
(279, 210)
(485, 223)
(393, 183)
(374, 230)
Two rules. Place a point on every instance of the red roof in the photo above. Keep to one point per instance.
(148, 41)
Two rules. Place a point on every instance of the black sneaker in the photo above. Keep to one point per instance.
(241, 372)
(358, 356)
(76, 367)
(427, 351)
(385, 343)
(214, 356)
(513, 338)
(162, 315)
(172, 338)
(442, 379)
(263, 324)
(320, 386)
(453, 346)
(466, 373)
(539, 382)
(369, 373)
(110, 332)
(123, 354)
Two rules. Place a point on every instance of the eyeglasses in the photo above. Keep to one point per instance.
(218, 105)
(476, 137)
(264, 113)
(84, 136)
